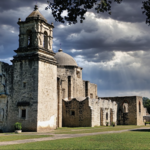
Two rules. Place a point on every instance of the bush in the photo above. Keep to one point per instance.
(18, 126)
(113, 124)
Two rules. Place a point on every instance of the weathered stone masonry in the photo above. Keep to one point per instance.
(44, 90)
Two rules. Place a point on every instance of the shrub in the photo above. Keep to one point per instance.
(107, 123)
(113, 124)
(18, 126)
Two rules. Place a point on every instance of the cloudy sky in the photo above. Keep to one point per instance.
(114, 51)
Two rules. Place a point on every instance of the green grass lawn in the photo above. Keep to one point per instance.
(66, 130)
(19, 137)
(117, 141)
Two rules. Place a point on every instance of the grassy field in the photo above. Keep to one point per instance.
(93, 129)
(116, 141)
(15, 137)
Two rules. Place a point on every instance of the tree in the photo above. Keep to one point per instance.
(78, 8)
(146, 10)
(146, 103)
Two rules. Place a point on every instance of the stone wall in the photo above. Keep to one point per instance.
(93, 90)
(102, 111)
(47, 97)
(76, 113)
(63, 73)
(88, 112)
(141, 111)
(131, 117)
(5, 93)
(25, 95)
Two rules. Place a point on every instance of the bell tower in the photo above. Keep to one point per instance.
(34, 101)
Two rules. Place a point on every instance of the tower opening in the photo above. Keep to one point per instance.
(45, 42)
(29, 36)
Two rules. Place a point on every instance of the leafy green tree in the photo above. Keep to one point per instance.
(146, 103)
(78, 8)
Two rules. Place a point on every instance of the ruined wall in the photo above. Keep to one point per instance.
(25, 95)
(80, 91)
(129, 118)
(63, 73)
(76, 113)
(88, 112)
(141, 111)
(103, 111)
(93, 90)
(47, 97)
(5, 93)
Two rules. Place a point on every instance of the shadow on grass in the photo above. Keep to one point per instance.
(141, 130)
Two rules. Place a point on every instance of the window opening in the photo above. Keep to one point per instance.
(124, 109)
(72, 113)
(139, 107)
(23, 114)
(24, 84)
(45, 42)
(29, 34)
(106, 116)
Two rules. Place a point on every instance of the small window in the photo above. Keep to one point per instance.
(72, 113)
(29, 36)
(23, 113)
(24, 84)
(45, 42)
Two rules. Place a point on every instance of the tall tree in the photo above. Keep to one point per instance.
(78, 8)
(146, 103)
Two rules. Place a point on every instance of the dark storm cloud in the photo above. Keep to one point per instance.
(127, 11)
(95, 41)
(15, 4)
(120, 76)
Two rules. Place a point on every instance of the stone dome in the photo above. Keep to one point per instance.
(64, 59)
(36, 14)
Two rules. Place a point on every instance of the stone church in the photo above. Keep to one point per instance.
(43, 90)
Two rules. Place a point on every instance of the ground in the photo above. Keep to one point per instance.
(119, 137)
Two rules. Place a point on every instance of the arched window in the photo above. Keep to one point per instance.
(45, 43)
(139, 107)
(106, 116)
(124, 109)
(29, 36)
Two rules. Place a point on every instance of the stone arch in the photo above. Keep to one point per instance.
(29, 38)
(124, 109)
(45, 42)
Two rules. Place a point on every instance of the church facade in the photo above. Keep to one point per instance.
(43, 90)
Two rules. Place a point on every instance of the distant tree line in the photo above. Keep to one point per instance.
(146, 103)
